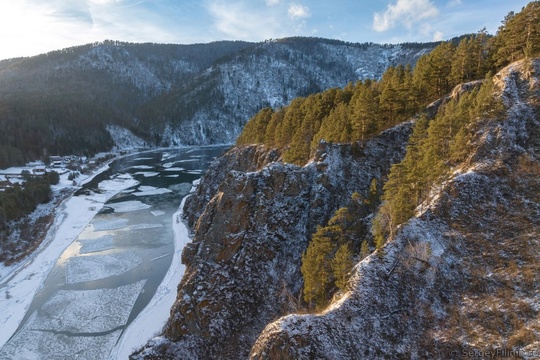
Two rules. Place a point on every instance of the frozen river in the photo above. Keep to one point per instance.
(116, 264)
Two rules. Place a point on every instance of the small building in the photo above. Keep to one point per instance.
(39, 170)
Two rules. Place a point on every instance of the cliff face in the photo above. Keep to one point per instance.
(243, 267)
(246, 159)
(459, 277)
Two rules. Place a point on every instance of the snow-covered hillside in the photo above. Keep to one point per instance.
(271, 75)
(171, 95)
(458, 278)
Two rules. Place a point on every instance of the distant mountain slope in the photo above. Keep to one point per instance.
(62, 102)
(215, 105)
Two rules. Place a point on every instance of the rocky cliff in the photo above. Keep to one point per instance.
(243, 267)
(459, 278)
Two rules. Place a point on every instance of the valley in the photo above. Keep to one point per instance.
(358, 200)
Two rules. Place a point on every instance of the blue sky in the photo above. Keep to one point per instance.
(30, 27)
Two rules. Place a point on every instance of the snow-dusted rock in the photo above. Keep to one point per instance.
(243, 266)
(458, 278)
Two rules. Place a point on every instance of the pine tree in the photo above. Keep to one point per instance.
(364, 250)
(373, 197)
(316, 269)
(342, 264)
(365, 111)
(519, 35)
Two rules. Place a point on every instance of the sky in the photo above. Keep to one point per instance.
(31, 27)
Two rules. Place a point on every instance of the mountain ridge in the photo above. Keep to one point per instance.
(168, 95)
(416, 283)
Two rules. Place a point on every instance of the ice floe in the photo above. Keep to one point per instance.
(147, 173)
(89, 268)
(114, 224)
(157, 212)
(117, 183)
(128, 206)
(44, 345)
(144, 226)
(63, 327)
(95, 245)
(150, 190)
(155, 314)
(175, 169)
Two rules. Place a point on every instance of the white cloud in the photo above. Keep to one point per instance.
(30, 27)
(438, 36)
(104, 2)
(238, 21)
(298, 11)
(404, 12)
(243, 20)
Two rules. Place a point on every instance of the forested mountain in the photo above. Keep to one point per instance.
(415, 236)
(368, 107)
(62, 102)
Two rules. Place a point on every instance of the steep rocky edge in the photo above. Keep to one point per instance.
(461, 276)
(243, 267)
(246, 159)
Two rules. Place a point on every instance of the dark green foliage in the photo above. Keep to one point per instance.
(53, 177)
(519, 35)
(434, 149)
(59, 103)
(472, 59)
(356, 112)
(34, 128)
(330, 255)
(368, 107)
(18, 201)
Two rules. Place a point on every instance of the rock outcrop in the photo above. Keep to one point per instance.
(458, 279)
(243, 266)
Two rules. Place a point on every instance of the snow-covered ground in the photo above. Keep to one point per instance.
(20, 282)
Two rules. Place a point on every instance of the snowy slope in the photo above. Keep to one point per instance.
(172, 95)
(271, 74)
(459, 278)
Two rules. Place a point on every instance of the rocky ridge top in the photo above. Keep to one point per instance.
(459, 277)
